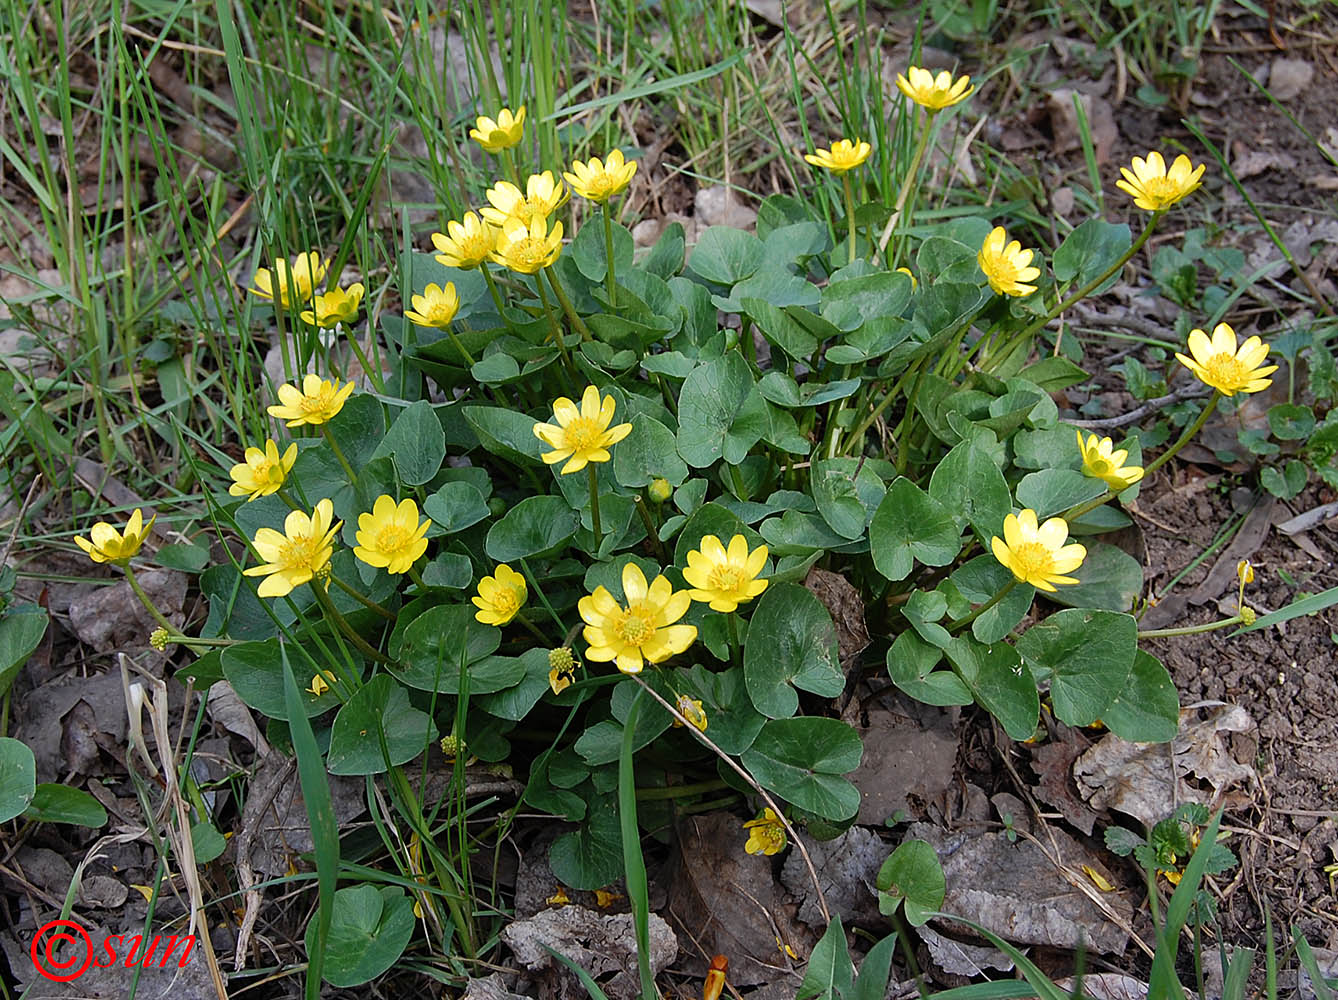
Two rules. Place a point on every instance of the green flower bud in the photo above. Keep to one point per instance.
(661, 490)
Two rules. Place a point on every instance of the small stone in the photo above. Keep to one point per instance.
(647, 231)
(1289, 77)
(718, 206)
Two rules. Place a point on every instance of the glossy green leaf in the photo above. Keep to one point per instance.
(255, 671)
(910, 664)
(791, 643)
(726, 255)
(912, 876)
(506, 433)
(591, 856)
(1109, 578)
(1087, 655)
(830, 974)
(378, 711)
(911, 526)
(369, 930)
(21, 632)
(971, 487)
(456, 506)
(415, 442)
(847, 492)
(802, 760)
(534, 527)
(1052, 491)
(434, 642)
(18, 778)
(649, 452)
(54, 803)
(978, 581)
(1147, 710)
(1089, 251)
(1001, 682)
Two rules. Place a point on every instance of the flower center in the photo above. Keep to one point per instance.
(318, 403)
(476, 248)
(773, 836)
(636, 626)
(1032, 557)
(1226, 370)
(393, 537)
(601, 185)
(1100, 467)
(1162, 190)
(582, 434)
(727, 578)
(504, 601)
(299, 552)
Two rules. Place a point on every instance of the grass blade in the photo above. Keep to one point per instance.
(634, 864)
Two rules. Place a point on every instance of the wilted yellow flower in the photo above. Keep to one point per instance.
(391, 536)
(1099, 880)
(933, 92)
(725, 578)
(844, 155)
(299, 553)
(1219, 365)
(338, 305)
(495, 135)
(644, 631)
(1153, 187)
(1245, 572)
(300, 279)
(766, 834)
(604, 898)
(318, 401)
(1101, 461)
(581, 435)
(436, 307)
(320, 683)
(263, 472)
(501, 596)
(528, 249)
(562, 669)
(559, 898)
(601, 181)
(1037, 555)
(543, 196)
(1007, 265)
(467, 244)
(115, 547)
(691, 709)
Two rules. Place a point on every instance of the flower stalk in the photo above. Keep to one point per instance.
(610, 283)
(961, 623)
(339, 454)
(594, 505)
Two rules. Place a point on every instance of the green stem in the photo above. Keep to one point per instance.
(899, 436)
(572, 315)
(557, 331)
(961, 623)
(652, 532)
(459, 346)
(509, 161)
(339, 454)
(152, 609)
(735, 647)
(417, 578)
(331, 612)
(610, 283)
(175, 638)
(850, 211)
(362, 599)
(1161, 633)
(898, 220)
(594, 505)
(532, 628)
(659, 793)
(496, 293)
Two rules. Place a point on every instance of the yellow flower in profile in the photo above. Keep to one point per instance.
(1153, 187)
(1221, 366)
(1007, 265)
(581, 435)
(318, 401)
(844, 155)
(1245, 572)
(1037, 555)
(293, 557)
(338, 305)
(691, 709)
(320, 683)
(299, 279)
(543, 196)
(601, 181)
(391, 536)
(503, 132)
(436, 307)
(725, 578)
(263, 472)
(501, 596)
(526, 250)
(466, 244)
(766, 834)
(111, 546)
(933, 92)
(644, 631)
(1101, 461)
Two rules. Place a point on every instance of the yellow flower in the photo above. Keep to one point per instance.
(468, 243)
(844, 155)
(300, 279)
(581, 436)
(691, 709)
(501, 133)
(436, 307)
(527, 249)
(320, 683)
(391, 536)
(725, 578)
(543, 196)
(1219, 364)
(299, 553)
(907, 271)
(601, 181)
(1037, 555)
(1007, 265)
(110, 545)
(1245, 572)
(263, 472)
(1100, 461)
(1153, 187)
(766, 834)
(318, 401)
(642, 632)
(338, 305)
(500, 597)
(933, 92)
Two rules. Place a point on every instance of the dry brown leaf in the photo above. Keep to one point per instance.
(847, 868)
(909, 756)
(1053, 764)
